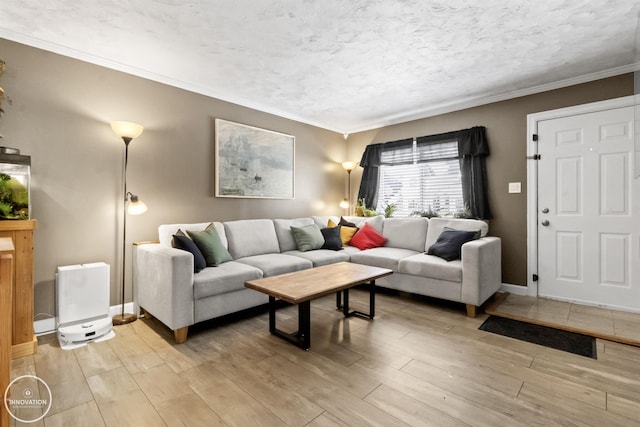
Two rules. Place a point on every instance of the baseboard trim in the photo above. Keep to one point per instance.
(44, 326)
(48, 326)
(117, 309)
(514, 289)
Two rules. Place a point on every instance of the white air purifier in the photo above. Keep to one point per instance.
(82, 295)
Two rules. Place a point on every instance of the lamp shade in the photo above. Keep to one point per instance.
(344, 204)
(349, 166)
(136, 206)
(128, 130)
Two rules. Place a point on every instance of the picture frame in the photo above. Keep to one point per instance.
(251, 162)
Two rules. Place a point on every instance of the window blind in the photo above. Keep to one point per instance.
(420, 176)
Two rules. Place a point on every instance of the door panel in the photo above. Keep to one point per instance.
(586, 190)
(614, 177)
(615, 259)
(569, 186)
(569, 262)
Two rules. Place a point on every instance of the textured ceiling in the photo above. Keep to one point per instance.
(342, 65)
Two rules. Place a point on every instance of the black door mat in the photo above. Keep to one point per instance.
(583, 345)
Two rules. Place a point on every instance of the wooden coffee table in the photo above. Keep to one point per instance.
(300, 287)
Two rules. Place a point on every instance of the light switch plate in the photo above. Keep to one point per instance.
(515, 187)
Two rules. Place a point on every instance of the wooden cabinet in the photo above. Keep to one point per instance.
(24, 342)
(6, 301)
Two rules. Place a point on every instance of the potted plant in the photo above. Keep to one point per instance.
(429, 213)
(389, 209)
(3, 97)
(464, 213)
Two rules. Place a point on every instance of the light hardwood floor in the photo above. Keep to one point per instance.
(418, 363)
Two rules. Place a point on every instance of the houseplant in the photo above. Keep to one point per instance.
(3, 97)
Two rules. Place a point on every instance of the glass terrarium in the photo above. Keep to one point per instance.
(15, 177)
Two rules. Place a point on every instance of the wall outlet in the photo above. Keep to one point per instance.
(515, 187)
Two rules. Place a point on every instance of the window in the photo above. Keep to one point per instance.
(421, 176)
(446, 173)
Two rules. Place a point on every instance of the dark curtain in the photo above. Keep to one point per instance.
(473, 149)
(370, 175)
(395, 152)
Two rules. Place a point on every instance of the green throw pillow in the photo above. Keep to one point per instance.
(211, 246)
(308, 237)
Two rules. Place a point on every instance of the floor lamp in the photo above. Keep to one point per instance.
(132, 206)
(348, 166)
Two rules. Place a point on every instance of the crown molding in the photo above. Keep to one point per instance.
(139, 72)
(484, 100)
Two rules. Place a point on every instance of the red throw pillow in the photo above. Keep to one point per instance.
(367, 237)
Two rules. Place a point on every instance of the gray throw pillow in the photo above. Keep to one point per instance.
(210, 245)
(308, 237)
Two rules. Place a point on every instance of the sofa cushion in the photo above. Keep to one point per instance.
(307, 237)
(367, 238)
(228, 277)
(406, 233)
(322, 256)
(437, 225)
(350, 250)
(432, 267)
(383, 257)
(166, 231)
(210, 245)
(276, 263)
(251, 237)
(180, 241)
(449, 243)
(283, 231)
(331, 238)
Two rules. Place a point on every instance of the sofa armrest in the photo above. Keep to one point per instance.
(481, 269)
(163, 278)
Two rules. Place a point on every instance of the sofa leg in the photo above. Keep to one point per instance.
(180, 334)
(471, 310)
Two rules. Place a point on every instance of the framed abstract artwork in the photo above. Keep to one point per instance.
(253, 163)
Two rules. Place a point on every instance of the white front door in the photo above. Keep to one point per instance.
(588, 238)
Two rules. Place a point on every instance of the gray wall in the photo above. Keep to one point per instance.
(506, 124)
(60, 116)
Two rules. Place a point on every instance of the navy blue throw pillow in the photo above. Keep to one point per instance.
(186, 244)
(331, 238)
(449, 244)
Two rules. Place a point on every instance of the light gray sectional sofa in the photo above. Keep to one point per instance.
(168, 289)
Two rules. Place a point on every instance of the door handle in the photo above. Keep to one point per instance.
(545, 223)
(545, 210)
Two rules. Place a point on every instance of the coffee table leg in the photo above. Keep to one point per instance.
(372, 299)
(339, 300)
(301, 338)
(272, 314)
(304, 324)
(372, 303)
(345, 306)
